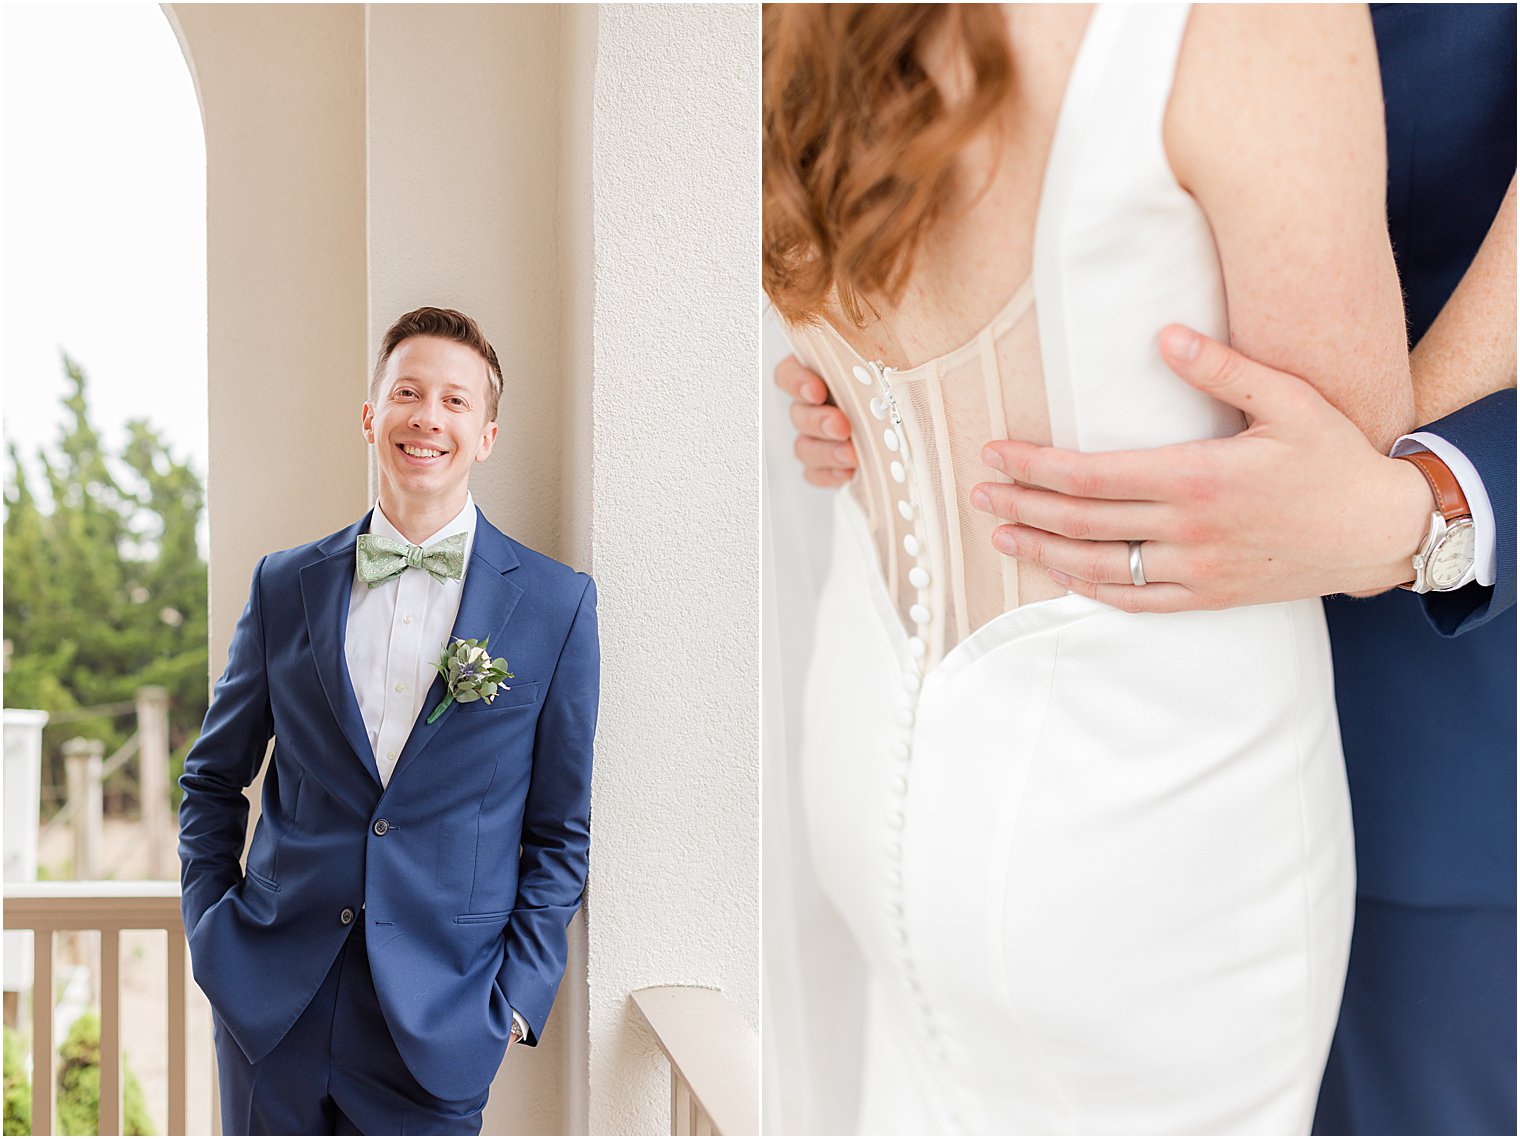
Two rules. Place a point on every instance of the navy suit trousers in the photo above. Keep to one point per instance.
(1426, 1041)
(337, 1071)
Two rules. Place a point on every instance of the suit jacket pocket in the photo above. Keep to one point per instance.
(482, 919)
(513, 696)
(262, 879)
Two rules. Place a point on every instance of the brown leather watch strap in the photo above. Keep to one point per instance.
(1450, 500)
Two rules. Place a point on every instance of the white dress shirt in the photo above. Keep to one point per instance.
(396, 633)
(1485, 566)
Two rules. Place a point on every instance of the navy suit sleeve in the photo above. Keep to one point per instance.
(213, 815)
(556, 830)
(1485, 432)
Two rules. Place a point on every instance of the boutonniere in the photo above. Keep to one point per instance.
(470, 674)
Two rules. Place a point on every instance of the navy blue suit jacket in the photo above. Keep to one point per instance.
(1426, 686)
(468, 887)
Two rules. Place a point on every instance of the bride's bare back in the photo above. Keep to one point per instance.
(978, 255)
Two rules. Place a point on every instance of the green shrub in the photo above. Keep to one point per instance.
(79, 1085)
(18, 1089)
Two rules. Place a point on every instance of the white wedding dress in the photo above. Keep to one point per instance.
(1098, 865)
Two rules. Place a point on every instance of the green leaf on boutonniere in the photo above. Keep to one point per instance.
(469, 673)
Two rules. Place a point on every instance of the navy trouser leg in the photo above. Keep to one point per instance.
(1426, 1039)
(337, 1071)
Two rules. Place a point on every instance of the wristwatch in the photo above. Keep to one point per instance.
(517, 1031)
(1449, 550)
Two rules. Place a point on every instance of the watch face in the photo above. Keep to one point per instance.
(1452, 557)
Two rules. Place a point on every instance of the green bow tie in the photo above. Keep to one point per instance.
(381, 558)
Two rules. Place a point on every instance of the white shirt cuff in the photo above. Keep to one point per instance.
(1486, 553)
(521, 1023)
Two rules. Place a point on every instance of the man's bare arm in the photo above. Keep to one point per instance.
(1469, 351)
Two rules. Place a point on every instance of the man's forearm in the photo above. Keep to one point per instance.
(1469, 351)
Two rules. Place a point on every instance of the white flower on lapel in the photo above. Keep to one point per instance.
(470, 674)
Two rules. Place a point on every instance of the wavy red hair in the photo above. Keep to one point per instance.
(859, 142)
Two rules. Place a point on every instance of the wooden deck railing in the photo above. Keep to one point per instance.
(110, 907)
(713, 1054)
(714, 1059)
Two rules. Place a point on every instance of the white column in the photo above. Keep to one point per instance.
(673, 504)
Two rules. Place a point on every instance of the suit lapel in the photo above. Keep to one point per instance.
(484, 609)
(325, 587)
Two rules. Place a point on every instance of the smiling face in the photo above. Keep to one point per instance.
(428, 424)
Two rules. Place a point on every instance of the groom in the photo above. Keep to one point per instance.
(422, 844)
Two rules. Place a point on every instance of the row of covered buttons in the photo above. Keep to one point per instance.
(902, 758)
(883, 407)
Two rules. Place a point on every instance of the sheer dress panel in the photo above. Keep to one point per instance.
(919, 434)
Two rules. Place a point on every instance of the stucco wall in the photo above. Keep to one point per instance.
(674, 539)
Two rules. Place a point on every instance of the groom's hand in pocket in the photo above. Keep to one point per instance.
(1299, 504)
(823, 431)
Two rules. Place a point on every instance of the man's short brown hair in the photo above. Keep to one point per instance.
(446, 324)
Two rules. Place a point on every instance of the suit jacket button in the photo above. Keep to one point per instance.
(381, 826)
(347, 916)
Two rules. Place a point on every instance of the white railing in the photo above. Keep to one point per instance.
(109, 907)
(714, 1059)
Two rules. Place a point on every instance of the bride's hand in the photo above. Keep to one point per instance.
(1297, 505)
(823, 431)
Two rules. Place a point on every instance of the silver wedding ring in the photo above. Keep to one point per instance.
(1136, 567)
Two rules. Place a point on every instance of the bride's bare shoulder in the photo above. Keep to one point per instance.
(1254, 80)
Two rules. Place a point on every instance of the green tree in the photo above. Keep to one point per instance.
(105, 588)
